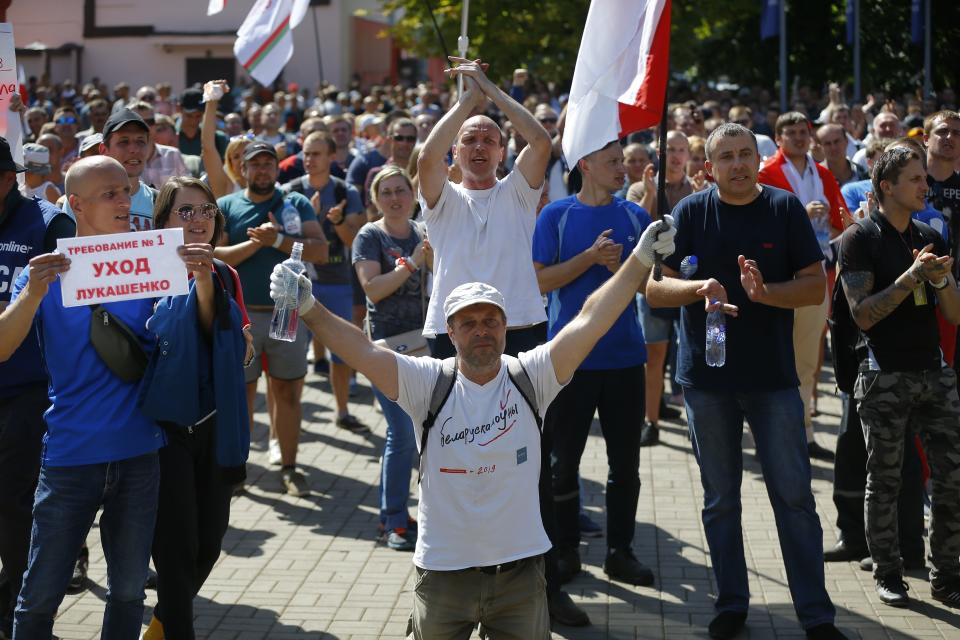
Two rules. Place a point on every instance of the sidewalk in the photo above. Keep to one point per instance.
(310, 568)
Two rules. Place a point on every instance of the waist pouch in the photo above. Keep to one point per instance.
(117, 345)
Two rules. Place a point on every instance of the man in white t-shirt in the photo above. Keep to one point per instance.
(481, 230)
(479, 552)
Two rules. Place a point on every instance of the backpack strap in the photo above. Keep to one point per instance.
(521, 380)
(339, 189)
(441, 391)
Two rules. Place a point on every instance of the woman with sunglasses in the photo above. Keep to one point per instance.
(388, 255)
(223, 175)
(195, 483)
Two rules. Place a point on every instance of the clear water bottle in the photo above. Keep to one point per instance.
(716, 353)
(290, 219)
(688, 267)
(821, 227)
(283, 324)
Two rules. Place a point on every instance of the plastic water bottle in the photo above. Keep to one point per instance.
(688, 267)
(290, 219)
(821, 227)
(283, 324)
(716, 353)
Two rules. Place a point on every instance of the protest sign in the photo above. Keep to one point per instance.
(10, 124)
(122, 266)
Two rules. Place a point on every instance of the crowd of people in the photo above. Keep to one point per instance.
(497, 296)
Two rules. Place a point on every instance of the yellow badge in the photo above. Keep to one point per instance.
(920, 295)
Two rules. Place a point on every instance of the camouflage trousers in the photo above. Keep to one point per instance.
(890, 405)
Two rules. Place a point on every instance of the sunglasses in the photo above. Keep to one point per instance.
(207, 211)
(67, 120)
(399, 138)
(547, 120)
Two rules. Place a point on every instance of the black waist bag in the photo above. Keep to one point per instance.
(117, 345)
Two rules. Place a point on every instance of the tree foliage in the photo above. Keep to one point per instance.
(710, 39)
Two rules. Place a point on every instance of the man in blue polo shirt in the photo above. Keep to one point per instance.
(29, 227)
(579, 242)
(99, 449)
(758, 260)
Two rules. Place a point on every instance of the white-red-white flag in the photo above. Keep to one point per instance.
(619, 83)
(264, 41)
(216, 6)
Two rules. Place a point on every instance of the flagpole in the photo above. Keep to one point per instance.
(463, 42)
(856, 51)
(662, 173)
(316, 38)
(927, 84)
(783, 56)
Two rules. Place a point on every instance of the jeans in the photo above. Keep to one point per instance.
(66, 503)
(398, 451)
(776, 419)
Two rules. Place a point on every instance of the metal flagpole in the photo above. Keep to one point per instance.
(463, 42)
(856, 51)
(316, 38)
(927, 83)
(783, 55)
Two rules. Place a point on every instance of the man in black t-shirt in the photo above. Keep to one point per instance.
(758, 260)
(894, 271)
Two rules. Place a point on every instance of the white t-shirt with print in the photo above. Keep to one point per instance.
(485, 235)
(479, 499)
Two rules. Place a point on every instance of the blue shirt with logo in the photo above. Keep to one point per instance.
(565, 229)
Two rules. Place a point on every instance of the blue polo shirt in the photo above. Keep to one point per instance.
(93, 417)
(775, 231)
(565, 229)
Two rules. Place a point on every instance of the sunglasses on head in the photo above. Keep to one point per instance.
(66, 120)
(207, 211)
(401, 138)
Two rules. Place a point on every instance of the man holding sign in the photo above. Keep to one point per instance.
(99, 450)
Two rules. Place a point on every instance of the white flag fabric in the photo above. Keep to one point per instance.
(264, 43)
(620, 78)
(215, 6)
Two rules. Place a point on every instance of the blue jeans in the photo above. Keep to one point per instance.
(776, 419)
(66, 503)
(398, 453)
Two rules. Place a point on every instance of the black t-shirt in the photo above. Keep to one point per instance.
(908, 339)
(944, 196)
(775, 231)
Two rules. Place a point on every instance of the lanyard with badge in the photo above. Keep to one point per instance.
(920, 291)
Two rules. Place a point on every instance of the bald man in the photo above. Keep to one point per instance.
(99, 450)
(481, 230)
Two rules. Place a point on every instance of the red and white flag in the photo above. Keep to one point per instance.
(620, 80)
(216, 6)
(264, 41)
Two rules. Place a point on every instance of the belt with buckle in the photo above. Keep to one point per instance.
(496, 569)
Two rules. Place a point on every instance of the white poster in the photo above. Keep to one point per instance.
(10, 123)
(122, 266)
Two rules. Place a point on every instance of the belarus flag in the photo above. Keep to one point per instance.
(620, 80)
(264, 43)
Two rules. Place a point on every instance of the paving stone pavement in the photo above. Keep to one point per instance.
(310, 568)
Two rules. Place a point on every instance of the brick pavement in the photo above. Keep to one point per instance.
(310, 568)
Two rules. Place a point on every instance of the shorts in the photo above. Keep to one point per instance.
(338, 299)
(284, 360)
(655, 329)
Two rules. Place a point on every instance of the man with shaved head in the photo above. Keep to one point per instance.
(99, 449)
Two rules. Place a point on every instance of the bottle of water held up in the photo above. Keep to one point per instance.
(716, 353)
(688, 267)
(290, 219)
(283, 324)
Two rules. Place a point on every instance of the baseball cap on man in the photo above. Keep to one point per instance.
(88, 142)
(191, 100)
(6, 158)
(123, 117)
(36, 159)
(256, 148)
(472, 293)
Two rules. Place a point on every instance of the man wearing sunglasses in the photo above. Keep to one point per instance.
(401, 141)
(66, 125)
(389, 148)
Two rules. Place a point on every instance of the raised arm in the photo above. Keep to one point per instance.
(220, 182)
(575, 341)
(17, 318)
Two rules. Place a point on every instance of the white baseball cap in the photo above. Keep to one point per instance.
(36, 158)
(472, 293)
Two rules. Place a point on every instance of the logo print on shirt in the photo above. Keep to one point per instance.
(521, 455)
(483, 434)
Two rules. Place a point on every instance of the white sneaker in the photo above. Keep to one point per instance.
(274, 456)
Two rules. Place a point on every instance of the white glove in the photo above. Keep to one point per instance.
(278, 288)
(657, 239)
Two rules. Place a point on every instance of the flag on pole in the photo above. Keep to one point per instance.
(264, 42)
(620, 79)
(770, 19)
(852, 25)
(916, 21)
(216, 6)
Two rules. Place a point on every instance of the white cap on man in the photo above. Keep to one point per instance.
(472, 293)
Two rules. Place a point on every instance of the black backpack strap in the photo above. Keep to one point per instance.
(521, 380)
(229, 287)
(226, 277)
(441, 391)
(339, 189)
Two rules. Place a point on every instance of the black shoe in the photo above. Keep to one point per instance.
(843, 552)
(564, 611)
(649, 434)
(918, 564)
(78, 581)
(568, 565)
(727, 624)
(814, 450)
(622, 565)
(669, 413)
(826, 631)
(948, 593)
(893, 590)
(151, 581)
